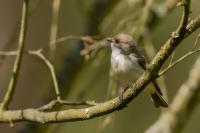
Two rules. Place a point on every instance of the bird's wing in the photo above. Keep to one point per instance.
(135, 55)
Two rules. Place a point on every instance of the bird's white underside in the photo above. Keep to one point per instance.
(125, 67)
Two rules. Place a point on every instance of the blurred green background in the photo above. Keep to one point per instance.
(81, 80)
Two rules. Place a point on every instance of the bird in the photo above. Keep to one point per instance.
(128, 64)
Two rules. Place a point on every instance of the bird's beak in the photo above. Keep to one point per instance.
(110, 39)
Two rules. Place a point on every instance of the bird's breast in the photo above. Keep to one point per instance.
(125, 68)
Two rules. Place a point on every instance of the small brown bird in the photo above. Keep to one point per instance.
(128, 64)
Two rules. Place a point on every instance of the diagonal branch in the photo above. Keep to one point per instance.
(178, 61)
(15, 71)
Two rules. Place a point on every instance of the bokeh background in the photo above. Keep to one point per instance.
(86, 80)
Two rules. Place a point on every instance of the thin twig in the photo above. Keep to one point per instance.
(178, 61)
(62, 39)
(95, 46)
(15, 71)
(53, 103)
(172, 64)
(54, 27)
(51, 69)
(8, 53)
(172, 58)
(196, 42)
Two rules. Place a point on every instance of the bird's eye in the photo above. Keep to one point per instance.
(117, 40)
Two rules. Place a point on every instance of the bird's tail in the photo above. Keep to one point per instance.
(156, 96)
(158, 100)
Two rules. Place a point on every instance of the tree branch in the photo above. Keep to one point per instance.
(174, 119)
(53, 103)
(178, 61)
(193, 25)
(173, 42)
(15, 71)
(51, 69)
(65, 38)
(50, 66)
